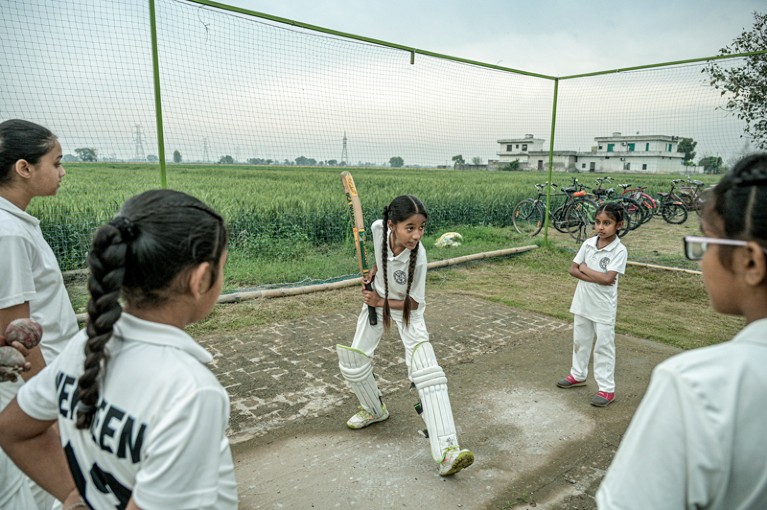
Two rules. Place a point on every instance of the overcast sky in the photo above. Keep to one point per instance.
(555, 37)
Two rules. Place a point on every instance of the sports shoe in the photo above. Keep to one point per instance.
(602, 399)
(364, 418)
(455, 459)
(570, 382)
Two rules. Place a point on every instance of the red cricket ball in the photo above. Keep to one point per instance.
(25, 331)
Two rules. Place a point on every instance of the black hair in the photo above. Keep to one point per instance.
(613, 210)
(139, 255)
(400, 209)
(738, 203)
(21, 139)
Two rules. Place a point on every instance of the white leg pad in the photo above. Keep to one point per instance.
(357, 369)
(431, 383)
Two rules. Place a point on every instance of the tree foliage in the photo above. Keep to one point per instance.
(226, 160)
(711, 164)
(303, 161)
(458, 161)
(176, 156)
(396, 162)
(745, 86)
(687, 145)
(87, 154)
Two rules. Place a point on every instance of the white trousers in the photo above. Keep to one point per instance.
(584, 331)
(367, 337)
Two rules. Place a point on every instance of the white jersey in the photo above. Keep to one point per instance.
(697, 438)
(158, 435)
(594, 301)
(397, 271)
(30, 272)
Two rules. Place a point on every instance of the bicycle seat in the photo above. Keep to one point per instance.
(697, 183)
(624, 186)
(664, 195)
(568, 190)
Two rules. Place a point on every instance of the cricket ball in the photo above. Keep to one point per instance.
(11, 359)
(25, 331)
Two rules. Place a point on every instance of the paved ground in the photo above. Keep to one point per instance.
(535, 445)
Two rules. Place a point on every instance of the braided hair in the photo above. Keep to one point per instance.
(400, 209)
(737, 203)
(139, 256)
(21, 139)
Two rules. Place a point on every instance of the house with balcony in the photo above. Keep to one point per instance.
(616, 153)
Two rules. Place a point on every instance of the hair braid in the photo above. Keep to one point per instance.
(107, 271)
(410, 273)
(384, 262)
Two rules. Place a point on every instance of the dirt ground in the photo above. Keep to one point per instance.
(536, 446)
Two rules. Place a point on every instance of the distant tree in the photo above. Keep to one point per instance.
(687, 145)
(396, 162)
(69, 158)
(476, 160)
(176, 157)
(458, 161)
(332, 162)
(87, 154)
(711, 164)
(226, 160)
(303, 161)
(744, 86)
(152, 158)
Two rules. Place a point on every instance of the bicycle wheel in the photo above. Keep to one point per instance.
(558, 220)
(635, 213)
(527, 217)
(579, 226)
(675, 214)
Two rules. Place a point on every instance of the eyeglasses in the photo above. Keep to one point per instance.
(695, 247)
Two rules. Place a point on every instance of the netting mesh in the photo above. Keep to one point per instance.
(259, 117)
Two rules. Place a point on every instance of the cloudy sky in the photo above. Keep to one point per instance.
(555, 37)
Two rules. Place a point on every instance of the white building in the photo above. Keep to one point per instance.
(616, 153)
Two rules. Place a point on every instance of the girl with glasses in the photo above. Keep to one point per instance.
(697, 438)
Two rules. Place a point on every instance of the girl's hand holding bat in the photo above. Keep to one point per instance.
(372, 298)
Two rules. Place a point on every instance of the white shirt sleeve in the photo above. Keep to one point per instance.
(17, 284)
(183, 454)
(418, 288)
(668, 458)
(581, 255)
(618, 262)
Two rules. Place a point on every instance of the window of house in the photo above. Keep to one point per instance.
(647, 147)
(517, 146)
(627, 166)
(631, 147)
(644, 166)
(583, 165)
(610, 147)
(508, 148)
(524, 146)
(600, 147)
(668, 148)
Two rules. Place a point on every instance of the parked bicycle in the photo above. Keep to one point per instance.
(633, 212)
(671, 207)
(691, 194)
(574, 216)
(639, 193)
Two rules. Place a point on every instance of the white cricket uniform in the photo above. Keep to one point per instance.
(30, 272)
(158, 435)
(697, 438)
(594, 307)
(367, 337)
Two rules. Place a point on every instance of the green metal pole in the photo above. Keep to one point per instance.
(157, 95)
(551, 163)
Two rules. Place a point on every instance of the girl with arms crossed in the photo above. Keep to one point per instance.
(596, 266)
(142, 420)
(697, 438)
(399, 284)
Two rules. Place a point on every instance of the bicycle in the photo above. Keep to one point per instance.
(574, 217)
(691, 195)
(633, 212)
(671, 208)
(648, 203)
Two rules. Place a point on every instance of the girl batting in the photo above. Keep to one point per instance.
(596, 266)
(398, 294)
(697, 438)
(142, 420)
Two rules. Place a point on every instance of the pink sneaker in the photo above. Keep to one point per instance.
(602, 399)
(570, 382)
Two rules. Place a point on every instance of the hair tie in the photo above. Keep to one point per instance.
(85, 408)
(126, 227)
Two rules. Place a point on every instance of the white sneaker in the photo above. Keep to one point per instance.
(365, 418)
(455, 459)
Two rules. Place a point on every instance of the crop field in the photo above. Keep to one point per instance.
(289, 224)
